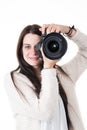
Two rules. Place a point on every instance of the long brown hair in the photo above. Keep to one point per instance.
(29, 71)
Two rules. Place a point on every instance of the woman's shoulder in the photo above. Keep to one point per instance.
(11, 77)
(21, 79)
(7, 76)
(16, 75)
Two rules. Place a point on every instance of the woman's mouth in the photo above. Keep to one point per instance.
(34, 58)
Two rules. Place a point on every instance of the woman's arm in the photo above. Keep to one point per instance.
(78, 64)
(39, 109)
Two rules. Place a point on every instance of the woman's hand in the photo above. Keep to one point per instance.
(49, 28)
(48, 63)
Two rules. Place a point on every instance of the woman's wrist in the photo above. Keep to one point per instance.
(48, 66)
(71, 31)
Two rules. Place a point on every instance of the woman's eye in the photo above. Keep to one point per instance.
(27, 47)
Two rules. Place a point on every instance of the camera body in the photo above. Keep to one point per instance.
(54, 45)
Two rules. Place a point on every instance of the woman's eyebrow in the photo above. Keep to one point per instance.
(26, 44)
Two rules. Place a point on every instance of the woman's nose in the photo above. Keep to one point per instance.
(34, 50)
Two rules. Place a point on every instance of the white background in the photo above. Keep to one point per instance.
(14, 16)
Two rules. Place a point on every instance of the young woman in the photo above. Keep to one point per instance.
(42, 93)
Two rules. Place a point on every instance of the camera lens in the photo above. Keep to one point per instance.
(53, 46)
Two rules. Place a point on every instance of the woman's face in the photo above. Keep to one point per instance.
(30, 55)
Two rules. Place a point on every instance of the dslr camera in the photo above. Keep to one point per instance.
(54, 45)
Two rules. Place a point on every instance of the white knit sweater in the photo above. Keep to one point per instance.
(36, 114)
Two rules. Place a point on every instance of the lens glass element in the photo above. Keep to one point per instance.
(53, 46)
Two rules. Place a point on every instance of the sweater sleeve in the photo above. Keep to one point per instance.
(34, 108)
(78, 64)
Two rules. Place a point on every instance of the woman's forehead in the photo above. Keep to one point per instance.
(31, 38)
